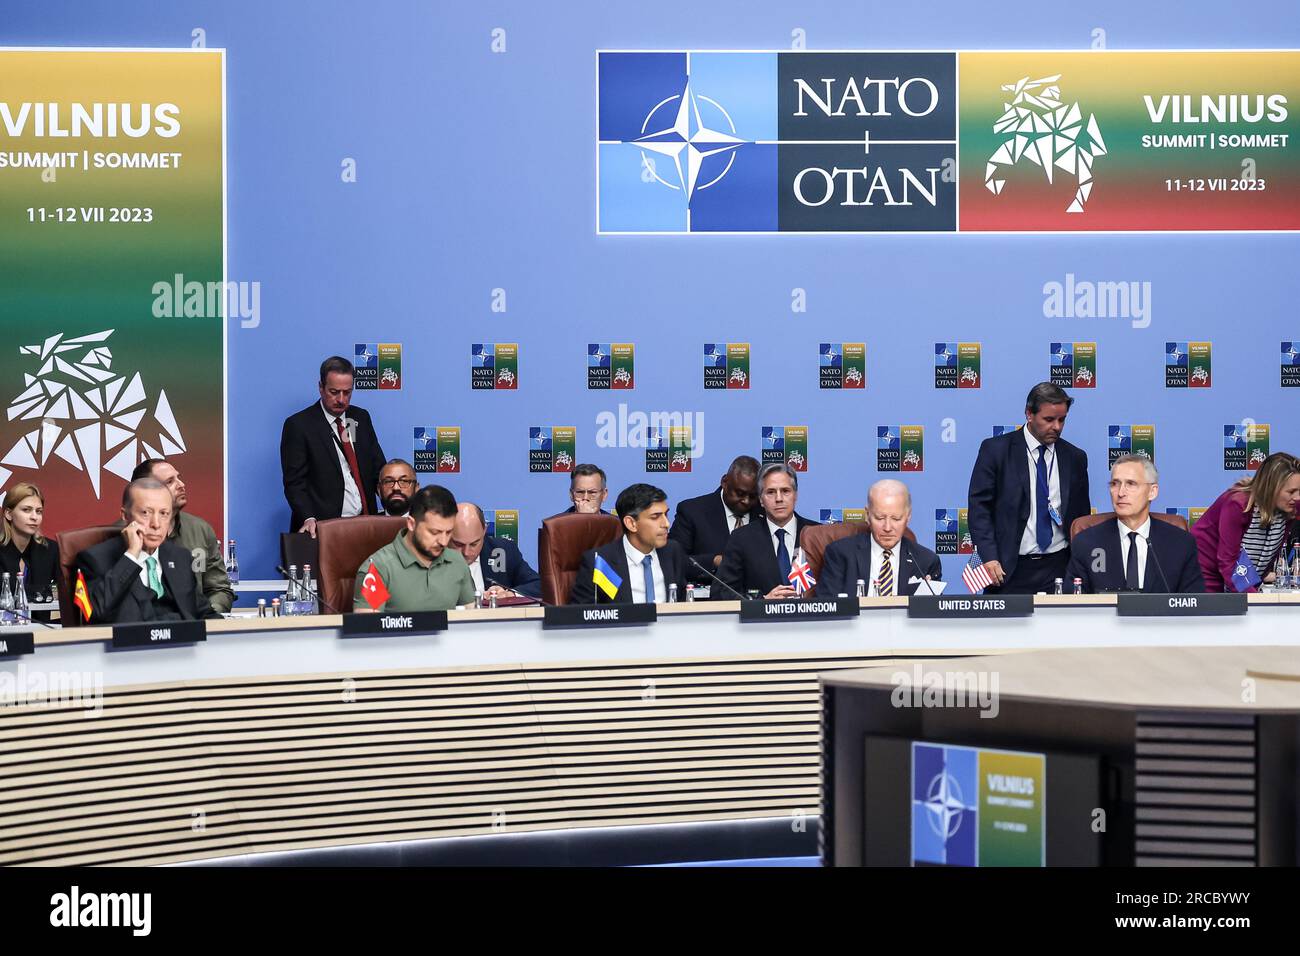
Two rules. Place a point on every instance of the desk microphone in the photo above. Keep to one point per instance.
(1152, 551)
(313, 592)
(908, 555)
(691, 559)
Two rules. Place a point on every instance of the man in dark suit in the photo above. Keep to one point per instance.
(643, 557)
(1131, 552)
(496, 564)
(703, 525)
(140, 575)
(885, 561)
(330, 454)
(1026, 488)
(758, 556)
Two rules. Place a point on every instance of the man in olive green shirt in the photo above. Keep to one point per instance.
(194, 535)
(418, 570)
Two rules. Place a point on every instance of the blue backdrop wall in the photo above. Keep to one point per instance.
(475, 172)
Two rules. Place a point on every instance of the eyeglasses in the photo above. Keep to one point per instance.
(390, 482)
(587, 494)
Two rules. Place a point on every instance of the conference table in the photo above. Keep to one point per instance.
(282, 735)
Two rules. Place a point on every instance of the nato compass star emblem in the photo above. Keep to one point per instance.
(944, 806)
(675, 128)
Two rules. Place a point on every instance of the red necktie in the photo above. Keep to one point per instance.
(350, 454)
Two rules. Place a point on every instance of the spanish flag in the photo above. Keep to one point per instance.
(80, 597)
(606, 578)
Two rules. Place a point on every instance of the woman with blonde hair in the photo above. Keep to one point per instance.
(1253, 515)
(21, 543)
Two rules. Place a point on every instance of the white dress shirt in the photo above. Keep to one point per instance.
(791, 533)
(1143, 533)
(636, 573)
(476, 573)
(1029, 539)
(351, 494)
(732, 516)
(144, 568)
(878, 559)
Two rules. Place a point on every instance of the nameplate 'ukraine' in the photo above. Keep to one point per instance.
(1180, 605)
(1003, 605)
(17, 644)
(393, 625)
(158, 634)
(598, 615)
(816, 609)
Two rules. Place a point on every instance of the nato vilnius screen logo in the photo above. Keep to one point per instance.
(785, 445)
(776, 142)
(611, 365)
(437, 449)
(1130, 440)
(552, 447)
(1245, 446)
(494, 365)
(378, 366)
(951, 532)
(1187, 365)
(900, 448)
(842, 365)
(726, 365)
(956, 365)
(1074, 364)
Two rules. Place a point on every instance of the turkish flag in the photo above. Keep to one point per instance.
(373, 589)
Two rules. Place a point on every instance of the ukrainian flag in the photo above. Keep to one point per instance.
(606, 578)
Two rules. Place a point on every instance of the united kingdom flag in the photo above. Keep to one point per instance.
(801, 575)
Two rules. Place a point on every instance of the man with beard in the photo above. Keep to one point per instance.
(418, 569)
(194, 535)
(397, 483)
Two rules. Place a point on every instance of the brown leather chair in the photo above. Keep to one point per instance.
(560, 544)
(71, 544)
(815, 540)
(344, 544)
(1084, 522)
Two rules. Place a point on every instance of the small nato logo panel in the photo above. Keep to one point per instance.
(1074, 364)
(1291, 364)
(761, 142)
(945, 812)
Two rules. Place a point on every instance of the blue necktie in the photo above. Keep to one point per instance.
(1044, 505)
(782, 556)
(1131, 564)
(649, 580)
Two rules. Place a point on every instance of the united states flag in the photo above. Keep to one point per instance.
(801, 575)
(974, 576)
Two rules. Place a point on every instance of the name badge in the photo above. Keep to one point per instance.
(1054, 515)
(816, 609)
(17, 644)
(1133, 604)
(598, 615)
(391, 625)
(977, 605)
(158, 634)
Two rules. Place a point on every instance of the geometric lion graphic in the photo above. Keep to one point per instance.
(1046, 132)
(85, 412)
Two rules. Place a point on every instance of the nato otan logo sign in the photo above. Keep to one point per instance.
(437, 449)
(842, 365)
(611, 365)
(1245, 446)
(842, 515)
(1187, 365)
(668, 448)
(726, 365)
(785, 445)
(493, 366)
(692, 142)
(1291, 364)
(378, 366)
(956, 365)
(552, 447)
(951, 532)
(1130, 440)
(1074, 364)
(900, 448)
(1190, 515)
(502, 523)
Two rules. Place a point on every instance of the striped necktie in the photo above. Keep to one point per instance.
(885, 582)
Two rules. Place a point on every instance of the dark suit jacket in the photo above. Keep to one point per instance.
(849, 559)
(573, 510)
(501, 562)
(1174, 555)
(118, 597)
(702, 526)
(998, 500)
(309, 461)
(749, 560)
(672, 561)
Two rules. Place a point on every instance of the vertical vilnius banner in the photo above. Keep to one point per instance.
(112, 289)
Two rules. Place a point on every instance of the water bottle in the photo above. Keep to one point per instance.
(310, 599)
(478, 598)
(292, 594)
(862, 588)
(261, 607)
(232, 563)
(1280, 574)
(690, 593)
(672, 593)
(1295, 568)
(492, 599)
(275, 607)
(21, 611)
(6, 601)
